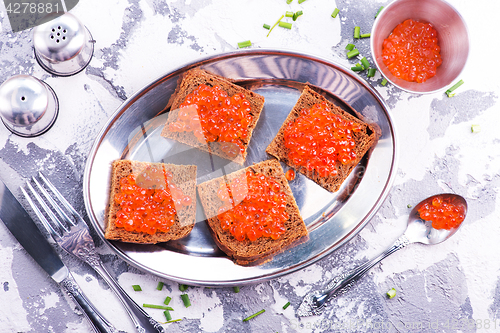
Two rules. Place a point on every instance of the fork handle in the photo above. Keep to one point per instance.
(97, 320)
(142, 321)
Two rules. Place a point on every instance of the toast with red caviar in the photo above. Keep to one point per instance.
(294, 143)
(144, 183)
(215, 125)
(248, 245)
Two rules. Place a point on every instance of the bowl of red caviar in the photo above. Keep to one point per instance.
(420, 46)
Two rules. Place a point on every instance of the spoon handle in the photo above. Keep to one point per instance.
(314, 302)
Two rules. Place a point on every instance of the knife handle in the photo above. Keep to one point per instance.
(99, 323)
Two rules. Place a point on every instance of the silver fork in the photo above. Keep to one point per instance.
(72, 234)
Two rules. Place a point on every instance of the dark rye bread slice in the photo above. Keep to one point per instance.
(365, 139)
(189, 81)
(245, 252)
(184, 177)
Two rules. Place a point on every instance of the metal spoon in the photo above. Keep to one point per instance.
(417, 231)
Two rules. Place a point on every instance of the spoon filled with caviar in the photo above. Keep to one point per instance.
(432, 221)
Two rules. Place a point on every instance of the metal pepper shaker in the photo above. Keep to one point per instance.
(28, 106)
(63, 46)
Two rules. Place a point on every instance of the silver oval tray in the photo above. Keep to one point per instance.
(133, 132)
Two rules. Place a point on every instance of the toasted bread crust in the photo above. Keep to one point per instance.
(365, 139)
(184, 177)
(245, 252)
(188, 83)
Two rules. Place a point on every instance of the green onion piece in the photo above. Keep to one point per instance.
(285, 25)
(286, 305)
(275, 25)
(168, 317)
(159, 286)
(352, 53)
(246, 43)
(289, 1)
(349, 47)
(365, 62)
(301, 1)
(172, 321)
(185, 299)
(365, 35)
(154, 306)
(408, 205)
(288, 14)
(167, 300)
(236, 289)
(357, 68)
(183, 287)
(384, 82)
(357, 32)
(371, 72)
(475, 128)
(455, 86)
(391, 293)
(137, 287)
(267, 26)
(255, 314)
(335, 12)
(379, 10)
(297, 14)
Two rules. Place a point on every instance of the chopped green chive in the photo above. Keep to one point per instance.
(371, 72)
(475, 128)
(137, 287)
(357, 32)
(365, 35)
(154, 306)
(379, 10)
(183, 287)
(365, 62)
(297, 14)
(455, 86)
(159, 286)
(357, 68)
(255, 314)
(267, 26)
(289, 1)
(301, 1)
(391, 293)
(285, 25)
(409, 206)
(288, 14)
(384, 82)
(352, 53)
(275, 25)
(167, 314)
(286, 305)
(167, 300)
(246, 43)
(172, 321)
(349, 47)
(335, 12)
(185, 300)
(236, 289)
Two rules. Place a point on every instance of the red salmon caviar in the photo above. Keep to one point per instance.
(290, 174)
(253, 207)
(213, 116)
(444, 213)
(411, 52)
(148, 203)
(318, 139)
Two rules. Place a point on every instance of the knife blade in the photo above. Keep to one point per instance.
(24, 229)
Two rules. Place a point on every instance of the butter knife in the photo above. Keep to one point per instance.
(22, 227)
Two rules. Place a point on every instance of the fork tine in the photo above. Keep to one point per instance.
(54, 205)
(41, 217)
(60, 197)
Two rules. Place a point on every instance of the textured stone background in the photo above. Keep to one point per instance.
(451, 287)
